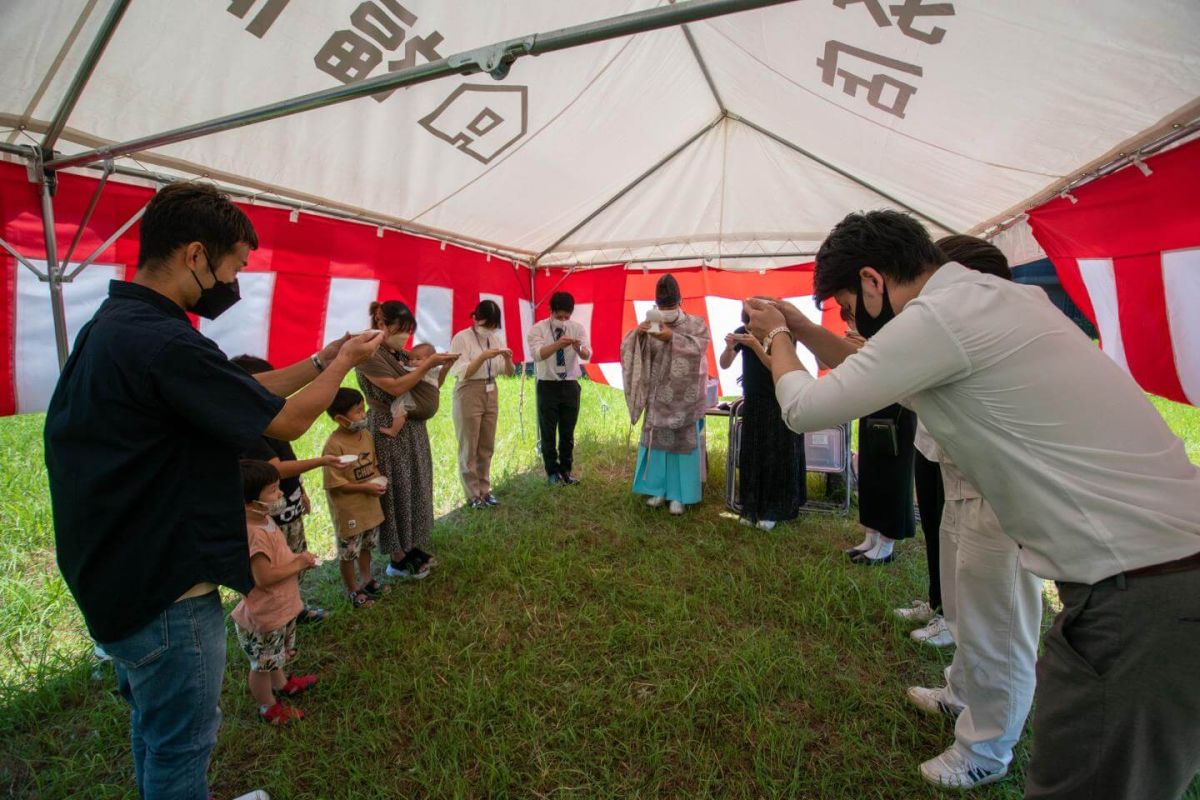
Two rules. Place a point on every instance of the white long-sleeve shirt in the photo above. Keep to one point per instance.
(1079, 466)
(547, 369)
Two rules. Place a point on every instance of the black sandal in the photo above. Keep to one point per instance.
(374, 588)
(361, 599)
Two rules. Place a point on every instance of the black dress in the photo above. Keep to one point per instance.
(771, 463)
(885, 482)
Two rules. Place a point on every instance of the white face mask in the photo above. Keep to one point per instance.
(272, 509)
(397, 341)
(670, 316)
(483, 330)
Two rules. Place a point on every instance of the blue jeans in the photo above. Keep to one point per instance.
(170, 673)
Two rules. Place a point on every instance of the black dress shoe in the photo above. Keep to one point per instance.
(873, 562)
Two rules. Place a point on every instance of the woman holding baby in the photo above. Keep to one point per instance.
(394, 379)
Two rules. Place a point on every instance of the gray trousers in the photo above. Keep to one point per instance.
(1117, 708)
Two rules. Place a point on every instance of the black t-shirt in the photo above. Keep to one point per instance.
(266, 449)
(142, 441)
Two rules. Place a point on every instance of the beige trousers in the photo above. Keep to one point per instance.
(475, 412)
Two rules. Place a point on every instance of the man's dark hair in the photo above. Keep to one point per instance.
(487, 313)
(394, 312)
(256, 476)
(975, 253)
(253, 365)
(345, 399)
(184, 212)
(562, 301)
(893, 243)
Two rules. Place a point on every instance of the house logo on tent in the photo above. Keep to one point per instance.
(481, 120)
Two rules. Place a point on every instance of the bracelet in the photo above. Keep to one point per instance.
(316, 362)
(775, 332)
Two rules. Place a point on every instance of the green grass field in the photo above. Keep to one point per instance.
(573, 644)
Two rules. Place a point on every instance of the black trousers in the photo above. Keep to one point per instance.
(558, 411)
(931, 497)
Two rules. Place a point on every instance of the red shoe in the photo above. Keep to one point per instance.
(298, 684)
(279, 714)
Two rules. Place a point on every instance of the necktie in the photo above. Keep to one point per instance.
(560, 356)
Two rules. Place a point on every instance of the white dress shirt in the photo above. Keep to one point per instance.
(547, 369)
(469, 344)
(1080, 468)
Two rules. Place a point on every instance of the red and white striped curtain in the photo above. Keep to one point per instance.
(1127, 250)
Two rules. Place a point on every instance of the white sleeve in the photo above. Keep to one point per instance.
(585, 344)
(913, 352)
(537, 340)
(459, 345)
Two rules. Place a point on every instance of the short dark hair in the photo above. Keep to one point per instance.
(187, 212)
(345, 399)
(256, 476)
(394, 312)
(253, 365)
(975, 253)
(488, 313)
(562, 301)
(889, 241)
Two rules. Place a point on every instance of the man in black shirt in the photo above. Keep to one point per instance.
(142, 439)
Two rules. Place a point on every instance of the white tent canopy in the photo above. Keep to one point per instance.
(750, 133)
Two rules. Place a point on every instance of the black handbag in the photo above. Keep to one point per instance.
(880, 436)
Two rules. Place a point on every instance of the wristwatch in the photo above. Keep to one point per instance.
(775, 332)
(316, 362)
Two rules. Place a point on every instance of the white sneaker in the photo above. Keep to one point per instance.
(766, 524)
(919, 611)
(935, 634)
(257, 794)
(933, 701)
(655, 502)
(406, 574)
(952, 770)
(676, 507)
(746, 522)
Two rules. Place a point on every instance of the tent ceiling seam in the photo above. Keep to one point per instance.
(662, 162)
(599, 74)
(63, 51)
(247, 188)
(700, 62)
(844, 173)
(876, 123)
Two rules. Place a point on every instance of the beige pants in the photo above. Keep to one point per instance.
(475, 413)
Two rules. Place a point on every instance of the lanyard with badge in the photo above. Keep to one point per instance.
(490, 382)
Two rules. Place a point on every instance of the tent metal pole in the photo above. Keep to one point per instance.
(297, 205)
(848, 176)
(700, 258)
(54, 272)
(631, 186)
(12, 251)
(495, 59)
(712, 86)
(87, 262)
(87, 216)
(84, 73)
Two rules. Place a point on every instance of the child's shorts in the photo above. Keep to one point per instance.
(350, 549)
(294, 533)
(267, 651)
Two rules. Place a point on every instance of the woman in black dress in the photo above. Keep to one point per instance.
(771, 463)
(885, 483)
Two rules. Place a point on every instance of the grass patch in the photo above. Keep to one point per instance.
(572, 644)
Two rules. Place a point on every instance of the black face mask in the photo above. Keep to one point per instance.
(218, 298)
(867, 325)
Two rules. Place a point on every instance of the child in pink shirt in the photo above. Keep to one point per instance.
(265, 619)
